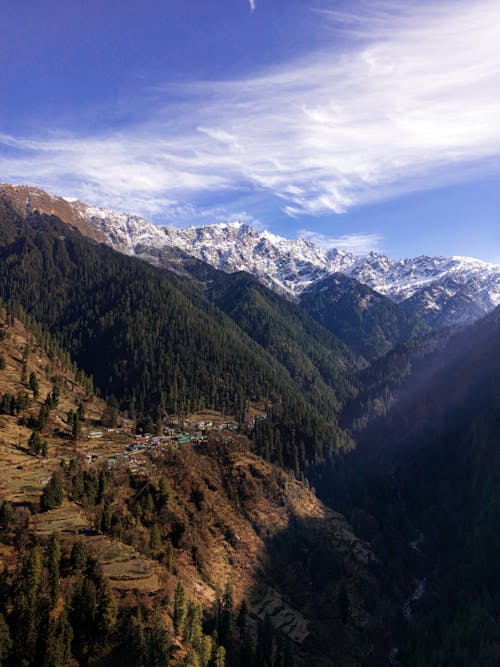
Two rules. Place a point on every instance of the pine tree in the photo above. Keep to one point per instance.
(79, 555)
(6, 516)
(53, 557)
(136, 636)
(164, 491)
(220, 657)
(27, 610)
(193, 631)
(159, 643)
(169, 554)
(207, 650)
(241, 620)
(58, 642)
(155, 540)
(83, 610)
(106, 518)
(76, 427)
(107, 609)
(179, 615)
(226, 618)
(35, 443)
(34, 385)
(52, 495)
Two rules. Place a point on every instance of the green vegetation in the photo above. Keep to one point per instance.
(370, 323)
(420, 488)
(159, 349)
(428, 467)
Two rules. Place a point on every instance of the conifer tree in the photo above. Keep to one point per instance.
(226, 617)
(58, 642)
(35, 443)
(164, 491)
(27, 610)
(136, 635)
(6, 516)
(220, 657)
(169, 554)
(193, 632)
(107, 609)
(179, 615)
(34, 384)
(79, 555)
(159, 643)
(207, 650)
(53, 556)
(83, 612)
(52, 495)
(155, 540)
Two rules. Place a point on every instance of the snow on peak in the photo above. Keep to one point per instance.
(447, 290)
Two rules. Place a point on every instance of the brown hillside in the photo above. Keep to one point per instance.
(232, 518)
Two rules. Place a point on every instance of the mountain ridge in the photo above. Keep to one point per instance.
(443, 291)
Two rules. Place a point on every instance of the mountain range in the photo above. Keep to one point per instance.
(443, 291)
(320, 377)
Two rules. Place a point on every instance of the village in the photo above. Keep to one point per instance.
(136, 450)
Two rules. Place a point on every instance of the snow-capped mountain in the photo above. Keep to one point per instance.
(442, 290)
(292, 266)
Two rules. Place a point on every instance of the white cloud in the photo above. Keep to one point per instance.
(252, 6)
(358, 244)
(411, 103)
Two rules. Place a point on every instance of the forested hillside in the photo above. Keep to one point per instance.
(418, 486)
(188, 555)
(156, 348)
(423, 488)
(317, 361)
(370, 323)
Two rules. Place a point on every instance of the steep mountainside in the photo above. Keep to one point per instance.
(316, 359)
(443, 291)
(110, 311)
(423, 488)
(220, 515)
(364, 319)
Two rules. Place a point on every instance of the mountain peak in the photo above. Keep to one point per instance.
(448, 290)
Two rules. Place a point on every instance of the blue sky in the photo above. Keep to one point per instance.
(362, 125)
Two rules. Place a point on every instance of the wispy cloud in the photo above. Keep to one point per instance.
(412, 102)
(252, 6)
(358, 244)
